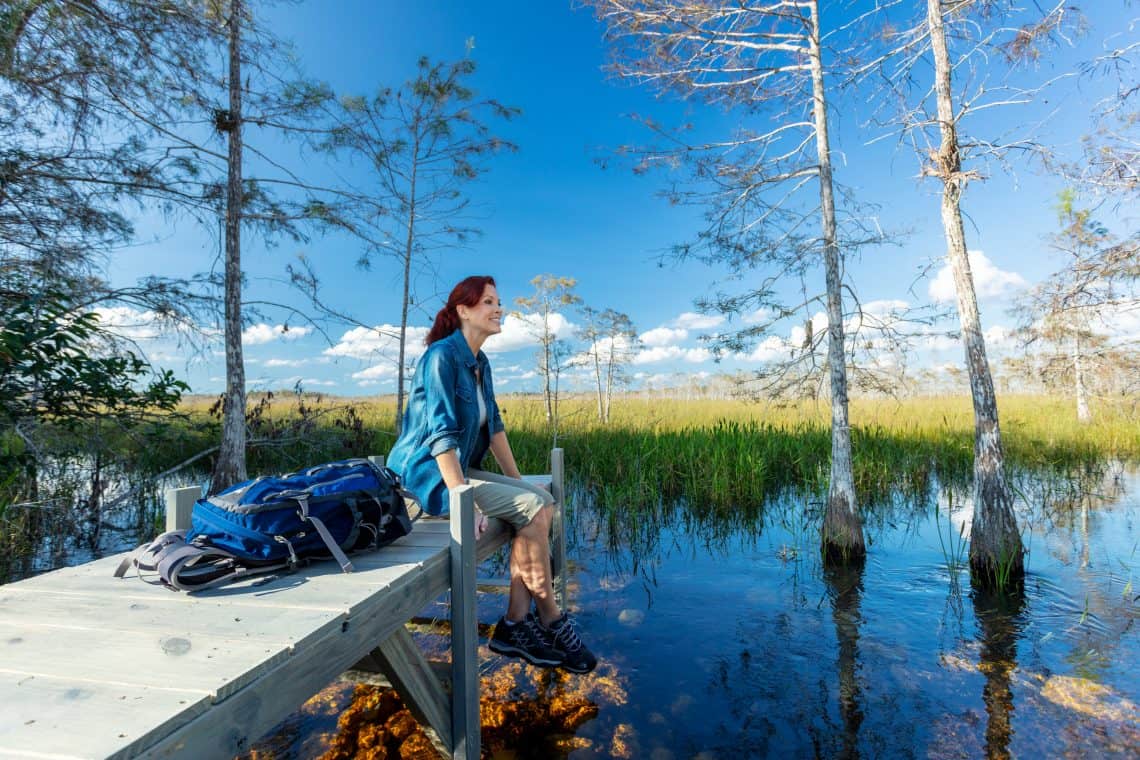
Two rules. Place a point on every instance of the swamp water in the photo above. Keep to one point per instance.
(732, 642)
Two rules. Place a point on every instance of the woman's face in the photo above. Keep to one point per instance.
(486, 316)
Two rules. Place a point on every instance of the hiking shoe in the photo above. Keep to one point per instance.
(524, 639)
(562, 637)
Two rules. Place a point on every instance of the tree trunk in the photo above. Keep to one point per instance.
(609, 387)
(404, 319)
(598, 377)
(995, 545)
(842, 533)
(230, 465)
(1083, 413)
(547, 339)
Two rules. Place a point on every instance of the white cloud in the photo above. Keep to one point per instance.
(379, 342)
(818, 326)
(292, 362)
(884, 308)
(772, 347)
(1119, 321)
(693, 321)
(521, 331)
(376, 372)
(757, 317)
(672, 353)
(129, 323)
(663, 336)
(998, 336)
(989, 281)
(261, 333)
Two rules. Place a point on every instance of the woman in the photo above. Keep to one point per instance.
(450, 423)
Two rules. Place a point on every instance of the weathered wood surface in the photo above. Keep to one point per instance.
(96, 666)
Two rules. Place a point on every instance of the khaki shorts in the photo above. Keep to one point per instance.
(514, 501)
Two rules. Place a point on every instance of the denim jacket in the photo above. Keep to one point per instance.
(442, 414)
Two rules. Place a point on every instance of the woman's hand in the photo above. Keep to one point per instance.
(481, 523)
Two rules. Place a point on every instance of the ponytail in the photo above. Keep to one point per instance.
(466, 293)
(446, 322)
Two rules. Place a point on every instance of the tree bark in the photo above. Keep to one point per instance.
(1083, 413)
(996, 554)
(609, 385)
(404, 316)
(230, 465)
(547, 340)
(598, 378)
(842, 532)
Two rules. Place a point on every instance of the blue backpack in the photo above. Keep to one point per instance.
(279, 523)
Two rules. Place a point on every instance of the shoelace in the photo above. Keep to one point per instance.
(568, 635)
(535, 630)
(519, 633)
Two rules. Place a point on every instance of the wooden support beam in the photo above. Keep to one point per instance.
(400, 660)
(179, 505)
(558, 526)
(464, 628)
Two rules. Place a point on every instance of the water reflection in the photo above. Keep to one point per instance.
(745, 646)
(999, 617)
(845, 588)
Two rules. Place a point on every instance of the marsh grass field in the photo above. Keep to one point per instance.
(720, 452)
(723, 460)
(720, 461)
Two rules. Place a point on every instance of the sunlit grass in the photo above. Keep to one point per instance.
(729, 456)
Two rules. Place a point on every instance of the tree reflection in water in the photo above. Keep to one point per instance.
(999, 616)
(845, 589)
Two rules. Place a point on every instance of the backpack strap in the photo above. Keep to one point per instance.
(190, 567)
(146, 556)
(326, 536)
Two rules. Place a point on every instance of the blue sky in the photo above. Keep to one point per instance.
(551, 208)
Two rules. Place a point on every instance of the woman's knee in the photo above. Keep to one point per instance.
(540, 523)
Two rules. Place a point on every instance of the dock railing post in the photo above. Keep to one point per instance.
(464, 627)
(558, 526)
(179, 505)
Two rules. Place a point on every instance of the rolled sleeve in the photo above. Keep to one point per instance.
(442, 416)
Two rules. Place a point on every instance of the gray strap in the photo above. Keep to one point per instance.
(172, 562)
(326, 536)
(405, 493)
(155, 547)
(339, 555)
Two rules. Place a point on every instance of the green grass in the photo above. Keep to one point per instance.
(718, 463)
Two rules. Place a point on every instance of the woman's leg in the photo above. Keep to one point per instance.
(529, 509)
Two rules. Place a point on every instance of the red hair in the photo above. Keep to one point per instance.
(466, 293)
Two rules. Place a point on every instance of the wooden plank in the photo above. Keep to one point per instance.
(194, 663)
(322, 586)
(558, 527)
(400, 659)
(464, 636)
(542, 481)
(62, 717)
(180, 505)
(254, 710)
(163, 616)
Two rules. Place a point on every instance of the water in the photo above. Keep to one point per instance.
(735, 643)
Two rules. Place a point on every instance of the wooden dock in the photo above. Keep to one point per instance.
(93, 666)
